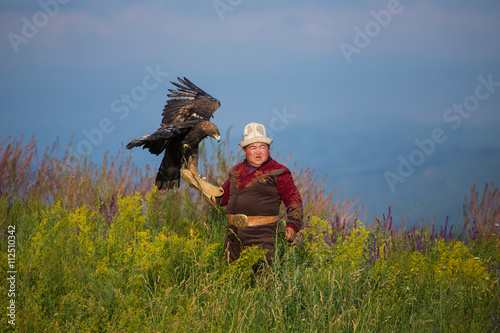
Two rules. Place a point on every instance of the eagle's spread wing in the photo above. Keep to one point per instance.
(188, 103)
(156, 141)
(185, 123)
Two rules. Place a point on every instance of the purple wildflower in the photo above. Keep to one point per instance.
(109, 210)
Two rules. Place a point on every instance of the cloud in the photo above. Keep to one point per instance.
(316, 29)
(429, 31)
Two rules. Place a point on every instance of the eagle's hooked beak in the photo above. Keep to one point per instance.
(216, 137)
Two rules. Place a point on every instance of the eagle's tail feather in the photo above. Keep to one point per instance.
(167, 184)
(168, 176)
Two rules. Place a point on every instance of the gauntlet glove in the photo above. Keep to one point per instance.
(208, 191)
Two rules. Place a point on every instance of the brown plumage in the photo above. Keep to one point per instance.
(185, 123)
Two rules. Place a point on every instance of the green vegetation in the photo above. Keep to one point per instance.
(97, 249)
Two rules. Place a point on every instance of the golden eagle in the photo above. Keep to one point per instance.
(186, 122)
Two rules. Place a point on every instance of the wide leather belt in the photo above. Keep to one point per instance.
(243, 221)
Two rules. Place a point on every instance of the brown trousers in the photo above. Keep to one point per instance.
(237, 239)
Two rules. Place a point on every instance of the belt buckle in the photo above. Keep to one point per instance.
(240, 220)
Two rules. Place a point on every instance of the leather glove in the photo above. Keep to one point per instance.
(208, 191)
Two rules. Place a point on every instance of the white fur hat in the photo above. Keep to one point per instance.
(254, 132)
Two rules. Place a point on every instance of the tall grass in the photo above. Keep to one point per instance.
(484, 213)
(52, 176)
(99, 250)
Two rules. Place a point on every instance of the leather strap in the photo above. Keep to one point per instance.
(242, 221)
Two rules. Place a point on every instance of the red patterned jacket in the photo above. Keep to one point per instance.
(261, 192)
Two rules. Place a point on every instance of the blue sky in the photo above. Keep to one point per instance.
(397, 102)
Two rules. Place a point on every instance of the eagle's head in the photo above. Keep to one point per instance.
(216, 134)
(210, 129)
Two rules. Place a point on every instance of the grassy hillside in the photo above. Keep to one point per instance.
(89, 247)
